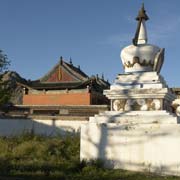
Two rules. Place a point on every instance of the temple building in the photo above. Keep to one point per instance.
(65, 84)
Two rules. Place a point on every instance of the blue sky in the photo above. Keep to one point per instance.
(35, 33)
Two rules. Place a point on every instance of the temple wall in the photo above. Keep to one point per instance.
(57, 99)
(48, 127)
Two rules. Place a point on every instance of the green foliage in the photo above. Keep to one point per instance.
(4, 92)
(53, 158)
(4, 62)
(29, 153)
(4, 95)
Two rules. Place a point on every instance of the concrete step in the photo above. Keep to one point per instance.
(120, 113)
(135, 117)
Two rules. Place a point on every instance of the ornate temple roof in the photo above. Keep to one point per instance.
(63, 72)
(67, 76)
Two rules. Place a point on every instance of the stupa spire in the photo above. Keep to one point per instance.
(141, 56)
(141, 33)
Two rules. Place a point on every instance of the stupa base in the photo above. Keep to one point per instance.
(121, 144)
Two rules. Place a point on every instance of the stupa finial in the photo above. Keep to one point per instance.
(142, 14)
(141, 33)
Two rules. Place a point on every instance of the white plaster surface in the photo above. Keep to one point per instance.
(138, 147)
(142, 38)
(177, 101)
(135, 117)
(140, 76)
(139, 85)
(13, 127)
(144, 52)
(143, 80)
(176, 105)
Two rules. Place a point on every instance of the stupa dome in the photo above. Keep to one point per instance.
(141, 56)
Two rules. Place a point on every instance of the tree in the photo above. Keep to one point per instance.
(4, 92)
(4, 62)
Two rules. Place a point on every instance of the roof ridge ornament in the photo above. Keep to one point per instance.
(141, 33)
(102, 77)
(70, 61)
(61, 60)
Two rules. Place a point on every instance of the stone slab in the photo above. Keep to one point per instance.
(140, 77)
(140, 93)
(137, 85)
(135, 117)
(143, 80)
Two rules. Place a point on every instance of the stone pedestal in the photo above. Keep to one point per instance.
(143, 91)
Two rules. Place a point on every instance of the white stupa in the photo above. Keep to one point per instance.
(142, 63)
(141, 56)
(141, 132)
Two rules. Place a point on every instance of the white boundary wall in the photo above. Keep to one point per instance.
(11, 127)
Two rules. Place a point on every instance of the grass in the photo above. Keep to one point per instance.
(55, 158)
